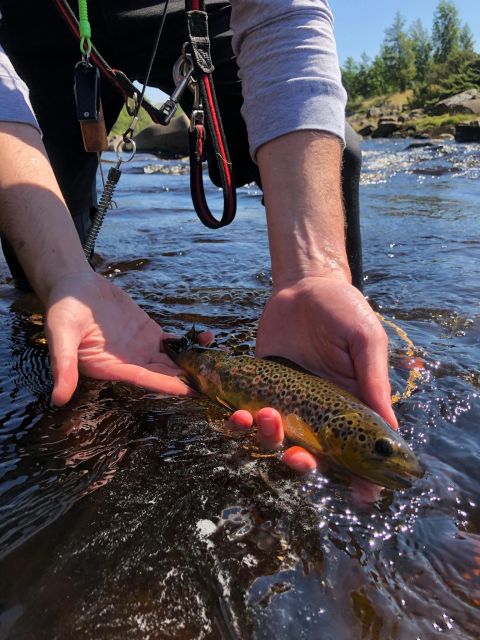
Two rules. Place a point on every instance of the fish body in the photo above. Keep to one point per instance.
(316, 414)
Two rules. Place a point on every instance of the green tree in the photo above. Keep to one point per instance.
(363, 77)
(378, 77)
(422, 48)
(398, 55)
(350, 78)
(445, 31)
(467, 42)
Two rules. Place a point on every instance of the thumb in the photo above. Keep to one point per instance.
(63, 347)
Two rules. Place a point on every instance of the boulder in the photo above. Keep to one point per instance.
(114, 142)
(468, 132)
(449, 129)
(366, 131)
(385, 128)
(169, 142)
(375, 112)
(465, 102)
(415, 114)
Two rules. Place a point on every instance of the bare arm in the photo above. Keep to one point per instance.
(306, 227)
(91, 325)
(33, 214)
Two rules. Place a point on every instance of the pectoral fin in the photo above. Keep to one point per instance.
(299, 432)
(225, 403)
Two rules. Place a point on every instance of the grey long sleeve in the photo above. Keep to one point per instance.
(289, 68)
(14, 102)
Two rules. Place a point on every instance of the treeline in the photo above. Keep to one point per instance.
(434, 65)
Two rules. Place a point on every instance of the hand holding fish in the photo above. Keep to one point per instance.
(328, 328)
(95, 328)
(335, 334)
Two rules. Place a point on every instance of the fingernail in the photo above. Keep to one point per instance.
(268, 427)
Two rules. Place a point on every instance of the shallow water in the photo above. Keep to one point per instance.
(126, 515)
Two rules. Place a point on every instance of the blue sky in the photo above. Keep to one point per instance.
(360, 24)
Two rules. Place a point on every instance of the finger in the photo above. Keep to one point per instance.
(241, 420)
(63, 347)
(371, 367)
(299, 460)
(270, 428)
(206, 337)
(148, 378)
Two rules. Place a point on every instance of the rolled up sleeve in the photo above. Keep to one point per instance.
(14, 102)
(289, 68)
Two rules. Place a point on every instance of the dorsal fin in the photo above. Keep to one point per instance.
(287, 363)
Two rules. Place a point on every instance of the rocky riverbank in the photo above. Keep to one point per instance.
(457, 117)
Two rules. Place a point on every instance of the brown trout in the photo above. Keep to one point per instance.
(316, 414)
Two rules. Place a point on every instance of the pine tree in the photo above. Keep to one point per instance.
(398, 55)
(422, 48)
(350, 78)
(467, 42)
(445, 31)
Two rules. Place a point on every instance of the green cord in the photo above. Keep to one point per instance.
(85, 30)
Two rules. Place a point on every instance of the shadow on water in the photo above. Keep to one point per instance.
(127, 515)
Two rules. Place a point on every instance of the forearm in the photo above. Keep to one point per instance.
(301, 180)
(33, 214)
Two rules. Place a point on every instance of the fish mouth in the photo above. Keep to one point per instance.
(396, 480)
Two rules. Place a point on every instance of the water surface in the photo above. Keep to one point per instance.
(128, 515)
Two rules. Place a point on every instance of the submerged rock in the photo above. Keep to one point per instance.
(421, 144)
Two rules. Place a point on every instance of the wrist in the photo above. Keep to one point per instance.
(60, 281)
(306, 225)
(299, 283)
(301, 263)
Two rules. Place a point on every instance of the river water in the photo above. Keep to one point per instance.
(128, 515)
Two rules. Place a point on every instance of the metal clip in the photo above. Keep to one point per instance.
(182, 74)
(197, 116)
(132, 108)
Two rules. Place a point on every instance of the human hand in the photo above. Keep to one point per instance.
(326, 326)
(95, 328)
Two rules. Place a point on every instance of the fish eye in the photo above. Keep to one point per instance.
(383, 447)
